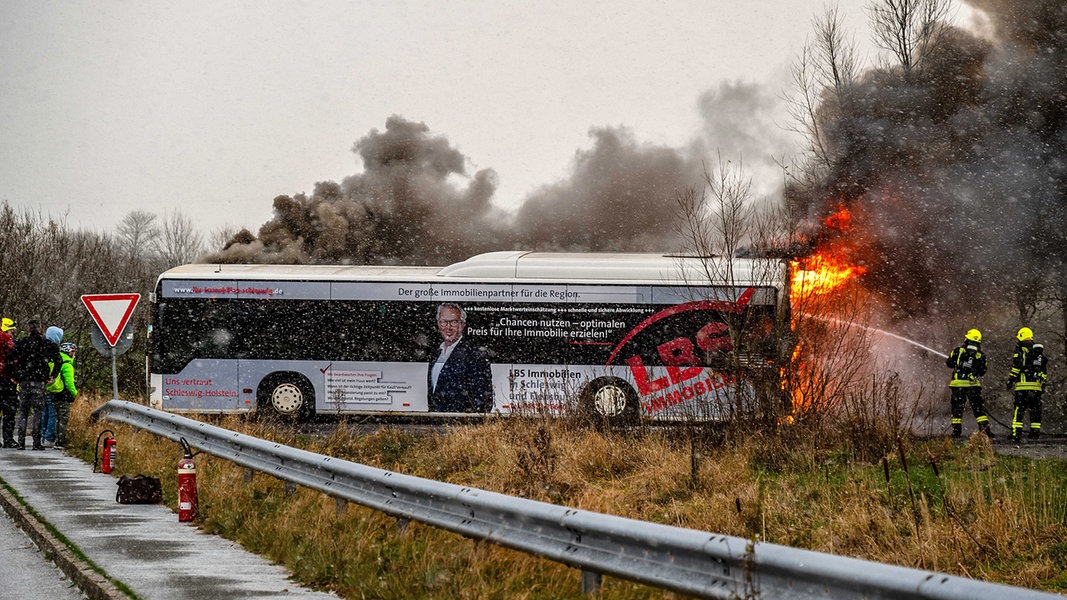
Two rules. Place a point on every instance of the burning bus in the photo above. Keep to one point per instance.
(621, 336)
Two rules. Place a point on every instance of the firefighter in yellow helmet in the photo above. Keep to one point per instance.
(968, 364)
(1029, 372)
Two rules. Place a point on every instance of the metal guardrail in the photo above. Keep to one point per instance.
(698, 563)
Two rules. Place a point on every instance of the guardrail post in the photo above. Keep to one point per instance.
(290, 488)
(402, 525)
(249, 474)
(591, 582)
(340, 507)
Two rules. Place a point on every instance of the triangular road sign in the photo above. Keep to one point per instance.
(111, 312)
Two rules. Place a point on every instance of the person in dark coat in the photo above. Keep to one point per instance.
(34, 363)
(458, 378)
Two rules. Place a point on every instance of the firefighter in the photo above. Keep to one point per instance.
(968, 364)
(1029, 372)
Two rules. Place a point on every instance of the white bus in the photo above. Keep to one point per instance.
(623, 336)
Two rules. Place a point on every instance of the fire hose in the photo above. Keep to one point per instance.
(904, 339)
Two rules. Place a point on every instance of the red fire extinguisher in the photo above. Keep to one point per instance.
(187, 501)
(109, 460)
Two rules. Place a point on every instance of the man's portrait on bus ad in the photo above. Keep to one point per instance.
(459, 378)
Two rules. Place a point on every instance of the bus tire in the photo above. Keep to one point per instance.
(610, 399)
(286, 395)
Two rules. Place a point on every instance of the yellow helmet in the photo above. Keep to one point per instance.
(6, 324)
(974, 335)
(1025, 334)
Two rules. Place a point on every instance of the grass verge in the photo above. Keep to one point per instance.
(933, 505)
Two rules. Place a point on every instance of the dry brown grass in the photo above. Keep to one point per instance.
(956, 509)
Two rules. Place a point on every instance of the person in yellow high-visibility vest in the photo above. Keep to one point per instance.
(1029, 372)
(968, 364)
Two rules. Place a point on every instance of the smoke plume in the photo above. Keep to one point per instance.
(414, 202)
(619, 198)
(954, 171)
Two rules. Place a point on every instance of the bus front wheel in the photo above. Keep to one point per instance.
(287, 395)
(611, 399)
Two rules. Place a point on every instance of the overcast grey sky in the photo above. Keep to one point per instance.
(215, 108)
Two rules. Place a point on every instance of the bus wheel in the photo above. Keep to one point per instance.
(611, 399)
(287, 395)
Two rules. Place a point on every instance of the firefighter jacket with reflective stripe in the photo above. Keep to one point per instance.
(968, 364)
(1029, 367)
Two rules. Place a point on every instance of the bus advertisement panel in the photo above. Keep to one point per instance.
(378, 346)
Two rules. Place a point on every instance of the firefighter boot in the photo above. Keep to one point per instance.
(957, 430)
(983, 425)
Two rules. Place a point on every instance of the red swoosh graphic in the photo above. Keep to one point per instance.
(719, 305)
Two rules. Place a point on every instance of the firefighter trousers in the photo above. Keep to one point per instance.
(1026, 400)
(962, 396)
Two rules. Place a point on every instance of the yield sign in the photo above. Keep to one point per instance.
(111, 312)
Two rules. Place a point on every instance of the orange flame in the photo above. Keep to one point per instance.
(814, 276)
(826, 270)
(821, 274)
(840, 220)
(818, 275)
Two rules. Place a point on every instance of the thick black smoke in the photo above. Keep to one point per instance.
(619, 198)
(415, 204)
(412, 204)
(955, 172)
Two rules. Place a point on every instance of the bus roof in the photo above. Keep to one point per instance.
(521, 265)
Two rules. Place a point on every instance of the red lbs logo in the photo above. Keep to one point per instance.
(688, 329)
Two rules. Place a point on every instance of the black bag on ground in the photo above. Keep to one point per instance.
(139, 490)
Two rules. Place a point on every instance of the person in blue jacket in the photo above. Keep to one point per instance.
(48, 417)
(458, 379)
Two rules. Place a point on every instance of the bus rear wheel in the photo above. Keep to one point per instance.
(286, 395)
(610, 399)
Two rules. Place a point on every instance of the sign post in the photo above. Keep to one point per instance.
(111, 313)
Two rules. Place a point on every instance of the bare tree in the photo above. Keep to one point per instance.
(824, 72)
(179, 241)
(718, 223)
(716, 220)
(138, 233)
(909, 29)
(137, 237)
(219, 238)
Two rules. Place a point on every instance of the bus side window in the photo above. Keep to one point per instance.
(213, 340)
(399, 331)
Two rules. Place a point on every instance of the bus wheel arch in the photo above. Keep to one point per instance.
(611, 399)
(286, 394)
